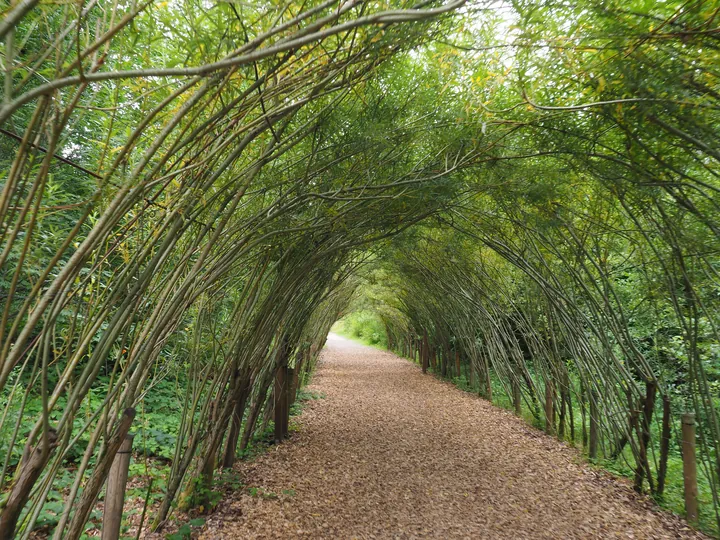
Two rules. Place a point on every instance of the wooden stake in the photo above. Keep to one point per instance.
(115, 491)
(92, 487)
(689, 467)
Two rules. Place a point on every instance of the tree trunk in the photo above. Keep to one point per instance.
(268, 411)
(593, 445)
(206, 481)
(571, 414)
(252, 418)
(632, 420)
(425, 352)
(563, 412)
(236, 424)
(517, 397)
(549, 407)
(29, 471)
(280, 400)
(642, 468)
(583, 415)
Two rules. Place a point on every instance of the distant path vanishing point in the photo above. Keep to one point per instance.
(392, 453)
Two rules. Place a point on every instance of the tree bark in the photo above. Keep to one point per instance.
(236, 424)
(549, 407)
(642, 468)
(425, 352)
(593, 445)
(517, 398)
(29, 471)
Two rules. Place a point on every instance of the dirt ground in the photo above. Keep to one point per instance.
(391, 453)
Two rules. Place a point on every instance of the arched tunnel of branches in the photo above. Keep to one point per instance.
(193, 192)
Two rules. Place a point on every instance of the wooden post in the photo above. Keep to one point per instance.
(115, 491)
(689, 467)
(593, 435)
(100, 473)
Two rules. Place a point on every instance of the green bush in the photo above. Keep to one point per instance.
(365, 326)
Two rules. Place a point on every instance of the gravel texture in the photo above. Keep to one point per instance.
(392, 453)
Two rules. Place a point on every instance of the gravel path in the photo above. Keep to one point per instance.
(392, 453)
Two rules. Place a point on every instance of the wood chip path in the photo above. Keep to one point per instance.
(392, 453)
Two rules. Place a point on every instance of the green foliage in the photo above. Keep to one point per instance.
(365, 326)
(185, 531)
(534, 186)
